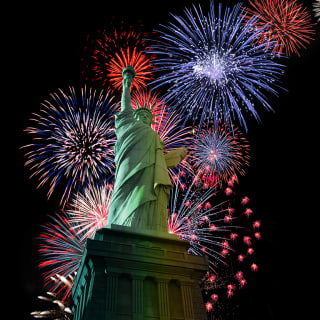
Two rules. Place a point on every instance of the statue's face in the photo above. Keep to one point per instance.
(145, 117)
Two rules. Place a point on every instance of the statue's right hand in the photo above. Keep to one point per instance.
(127, 81)
(128, 74)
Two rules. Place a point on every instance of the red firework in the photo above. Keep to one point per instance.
(141, 63)
(285, 24)
(225, 282)
(108, 52)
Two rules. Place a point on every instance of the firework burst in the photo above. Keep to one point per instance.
(213, 70)
(316, 9)
(220, 155)
(224, 232)
(139, 60)
(73, 140)
(193, 218)
(286, 24)
(110, 51)
(90, 210)
(60, 250)
(209, 228)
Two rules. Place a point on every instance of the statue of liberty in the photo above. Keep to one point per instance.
(142, 184)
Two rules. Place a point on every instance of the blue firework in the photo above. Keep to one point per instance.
(220, 154)
(73, 138)
(212, 67)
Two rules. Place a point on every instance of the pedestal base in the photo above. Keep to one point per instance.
(125, 274)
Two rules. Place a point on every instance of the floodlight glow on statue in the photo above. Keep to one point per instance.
(142, 183)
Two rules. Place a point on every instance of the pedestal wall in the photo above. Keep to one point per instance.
(125, 274)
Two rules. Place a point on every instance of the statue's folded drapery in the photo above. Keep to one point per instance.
(142, 184)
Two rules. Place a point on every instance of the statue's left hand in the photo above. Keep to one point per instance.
(174, 157)
(184, 152)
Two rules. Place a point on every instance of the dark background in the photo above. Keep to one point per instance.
(282, 180)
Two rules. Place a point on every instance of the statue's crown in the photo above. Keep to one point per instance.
(145, 109)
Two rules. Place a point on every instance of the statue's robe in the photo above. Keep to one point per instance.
(142, 184)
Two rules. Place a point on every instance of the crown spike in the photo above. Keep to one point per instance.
(137, 103)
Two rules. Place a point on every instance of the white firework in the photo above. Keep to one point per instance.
(90, 210)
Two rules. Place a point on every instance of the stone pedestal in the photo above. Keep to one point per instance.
(130, 275)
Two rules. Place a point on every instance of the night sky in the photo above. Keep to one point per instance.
(281, 182)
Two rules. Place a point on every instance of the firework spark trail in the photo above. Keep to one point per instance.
(316, 9)
(286, 23)
(90, 210)
(60, 249)
(73, 140)
(220, 154)
(61, 306)
(213, 70)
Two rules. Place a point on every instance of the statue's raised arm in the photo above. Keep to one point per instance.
(128, 74)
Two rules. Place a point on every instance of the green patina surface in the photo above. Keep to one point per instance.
(142, 183)
(138, 276)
